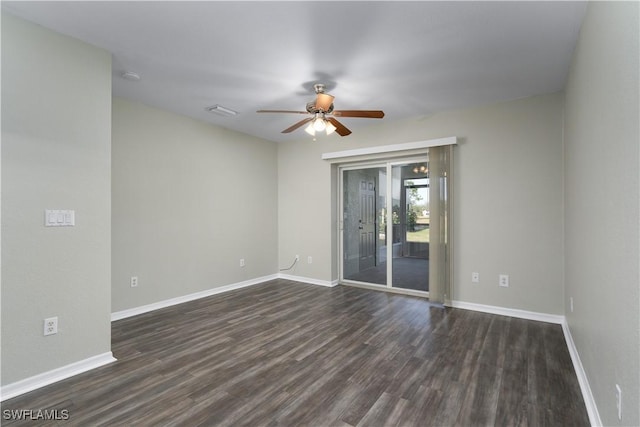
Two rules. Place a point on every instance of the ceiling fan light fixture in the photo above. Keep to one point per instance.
(330, 128)
(319, 124)
(310, 129)
(317, 112)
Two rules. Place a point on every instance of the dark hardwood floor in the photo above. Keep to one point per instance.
(291, 354)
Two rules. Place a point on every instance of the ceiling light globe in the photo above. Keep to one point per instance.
(310, 130)
(319, 125)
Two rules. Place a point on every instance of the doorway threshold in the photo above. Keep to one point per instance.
(384, 288)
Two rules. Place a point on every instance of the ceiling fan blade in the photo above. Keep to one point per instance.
(324, 101)
(340, 128)
(297, 125)
(369, 114)
(282, 111)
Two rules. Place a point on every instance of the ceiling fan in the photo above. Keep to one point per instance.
(323, 116)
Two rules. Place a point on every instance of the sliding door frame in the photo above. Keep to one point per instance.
(385, 153)
(388, 164)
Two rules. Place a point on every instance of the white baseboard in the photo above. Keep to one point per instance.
(118, 315)
(589, 401)
(308, 280)
(511, 312)
(29, 384)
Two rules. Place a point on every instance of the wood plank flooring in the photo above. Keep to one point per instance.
(291, 354)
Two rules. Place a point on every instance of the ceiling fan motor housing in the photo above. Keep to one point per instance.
(311, 108)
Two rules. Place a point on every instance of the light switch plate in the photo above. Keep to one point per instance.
(59, 218)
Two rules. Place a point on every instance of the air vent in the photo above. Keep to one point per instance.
(131, 76)
(223, 111)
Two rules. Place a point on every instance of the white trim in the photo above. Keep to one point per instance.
(451, 140)
(309, 280)
(29, 384)
(589, 401)
(511, 312)
(118, 315)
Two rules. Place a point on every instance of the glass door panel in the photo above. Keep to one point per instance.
(411, 226)
(364, 225)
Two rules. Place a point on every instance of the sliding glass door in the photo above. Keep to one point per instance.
(395, 224)
(410, 190)
(364, 233)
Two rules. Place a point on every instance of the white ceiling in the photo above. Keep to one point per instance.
(406, 58)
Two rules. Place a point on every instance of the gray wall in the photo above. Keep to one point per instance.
(508, 199)
(56, 154)
(602, 199)
(189, 201)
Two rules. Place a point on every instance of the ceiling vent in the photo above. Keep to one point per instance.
(131, 76)
(223, 111)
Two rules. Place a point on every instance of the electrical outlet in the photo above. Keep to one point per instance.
(50, 326)
(309, 260)
(297, 257)
(475, 277)
(242, 262)
(134, 281)
(571, 304)
(619, 401)
(503, 280)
